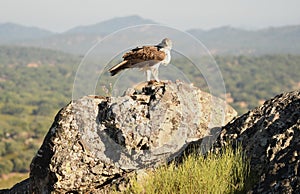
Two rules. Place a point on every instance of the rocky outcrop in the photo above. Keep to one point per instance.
(270, 135)
(96, 142)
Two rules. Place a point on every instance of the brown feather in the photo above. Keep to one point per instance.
(115, 69)
(137, 56)
(145, 53)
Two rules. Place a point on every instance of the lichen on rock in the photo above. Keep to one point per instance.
(270, 135)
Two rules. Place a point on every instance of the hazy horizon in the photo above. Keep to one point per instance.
(58, 16)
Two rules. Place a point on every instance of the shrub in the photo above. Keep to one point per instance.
(225, 172)
(12, 109)
(20, 165)
(6, 166)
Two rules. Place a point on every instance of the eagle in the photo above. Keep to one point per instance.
(147, 58)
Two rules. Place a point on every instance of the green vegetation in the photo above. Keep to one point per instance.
(10, 180)
(225, 172)
(252, 80)
(36, 83)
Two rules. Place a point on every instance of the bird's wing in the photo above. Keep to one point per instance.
(145, 53)
(139, 57)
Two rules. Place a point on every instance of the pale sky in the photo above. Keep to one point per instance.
(59, 15)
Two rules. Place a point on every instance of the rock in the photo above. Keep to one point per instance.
(270, 135)
(97, 142)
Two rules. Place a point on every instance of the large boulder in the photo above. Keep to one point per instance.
(270, 135)
(96, 142)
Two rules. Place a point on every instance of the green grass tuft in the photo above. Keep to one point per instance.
(225, 172)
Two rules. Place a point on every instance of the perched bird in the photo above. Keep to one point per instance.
(147, 58)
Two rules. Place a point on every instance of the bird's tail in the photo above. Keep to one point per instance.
(115, 69)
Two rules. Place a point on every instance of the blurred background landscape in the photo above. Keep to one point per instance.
(38, 67)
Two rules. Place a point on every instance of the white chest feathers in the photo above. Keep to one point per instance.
(167, 59)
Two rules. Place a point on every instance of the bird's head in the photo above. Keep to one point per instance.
(166, 43)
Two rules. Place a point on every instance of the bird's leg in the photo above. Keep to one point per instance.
(148, 75)
(155, 73)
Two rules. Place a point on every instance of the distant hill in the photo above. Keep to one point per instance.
(22, 56)
(12, 33)
(79, 39)
(228, 40)
(223, 40)
(109, 26)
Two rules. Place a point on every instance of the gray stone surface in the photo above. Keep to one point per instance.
(270, 135)
(98, 142)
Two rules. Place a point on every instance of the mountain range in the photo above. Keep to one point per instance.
(13, 33)
(221, 40)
